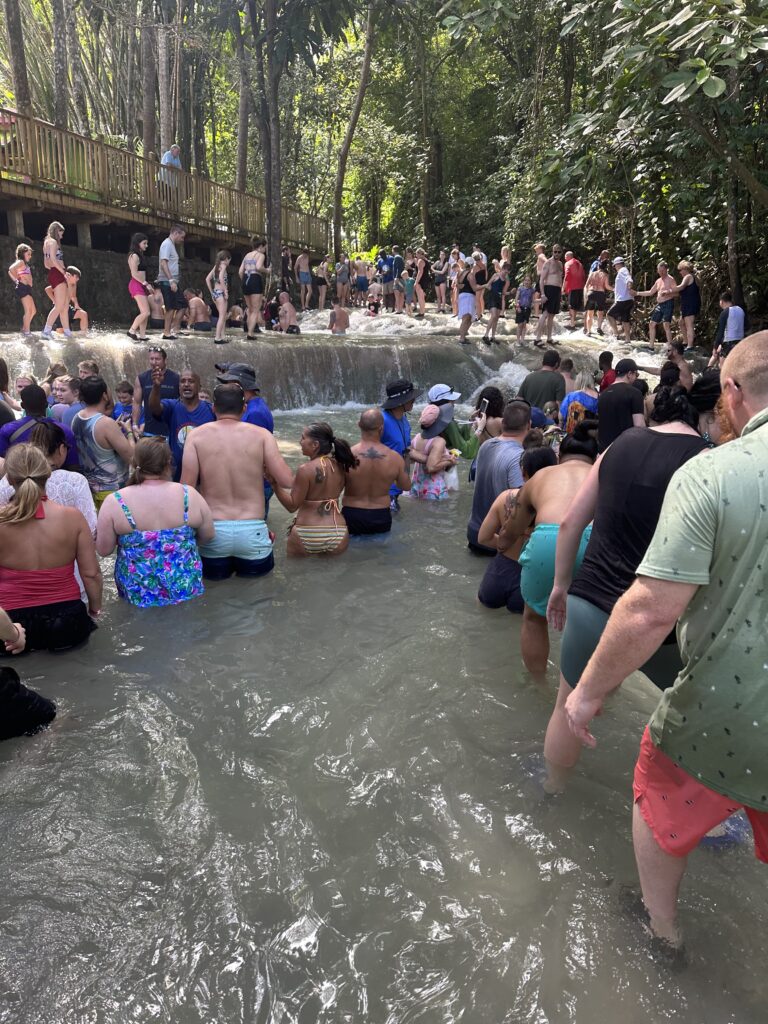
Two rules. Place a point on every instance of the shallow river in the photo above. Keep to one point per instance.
(316, 798)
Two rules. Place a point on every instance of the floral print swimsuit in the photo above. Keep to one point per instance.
(158, 567)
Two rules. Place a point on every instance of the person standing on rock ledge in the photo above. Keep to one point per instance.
(168, 281)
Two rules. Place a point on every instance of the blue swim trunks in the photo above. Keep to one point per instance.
(305, 277)
(662, 313)
(242, 546)
(362, 283)
(538, 564)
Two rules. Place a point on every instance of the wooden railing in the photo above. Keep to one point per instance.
(35, 153)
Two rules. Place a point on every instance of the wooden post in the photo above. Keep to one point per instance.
(83, 235)
(16, 223)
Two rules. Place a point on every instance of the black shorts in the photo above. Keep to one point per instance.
(621, 312)
(253, 284)
(156, 322)
(596, 301)
(205, 325)
(493, 300)
(22, 711)
(500, 586)
(363, 521)
(293, 329)
(523, 315)
(54, 627)
(23, 290)
(553, 296)
(172, 299)
(576, 299)
(222, 568)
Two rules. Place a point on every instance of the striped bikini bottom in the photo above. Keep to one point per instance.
(320, 540)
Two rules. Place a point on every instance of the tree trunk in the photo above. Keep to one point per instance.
(734, 269)
(354, 117)
(164, 87)
(21, 93)
(424, 192)
(198, 116)
(273, 71)
(244, 105)
(60, 83)
(149, 82)
(265, 139)
(76, 70)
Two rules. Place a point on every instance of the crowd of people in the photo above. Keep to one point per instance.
(470, 287)
(628, 518)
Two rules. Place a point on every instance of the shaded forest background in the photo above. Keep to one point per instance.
(634, 124)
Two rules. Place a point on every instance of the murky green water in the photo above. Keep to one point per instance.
(314, 798)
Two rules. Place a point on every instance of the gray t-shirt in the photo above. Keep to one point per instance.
(498, 468)
(168, 252)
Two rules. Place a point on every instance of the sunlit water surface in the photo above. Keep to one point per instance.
(316, 798)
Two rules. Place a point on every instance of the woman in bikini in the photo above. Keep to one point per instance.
(252, 272)
(217, 286)
(138, 287)
(53, 258)
(319, 527)
(20, 273)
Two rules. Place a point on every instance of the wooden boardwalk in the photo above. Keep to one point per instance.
(44, 166)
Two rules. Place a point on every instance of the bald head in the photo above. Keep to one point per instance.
(371, 423)
(747, 365)
(744, 380)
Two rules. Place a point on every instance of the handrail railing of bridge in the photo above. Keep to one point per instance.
(36, 153)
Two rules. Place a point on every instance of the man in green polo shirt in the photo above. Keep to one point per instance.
(705, 752)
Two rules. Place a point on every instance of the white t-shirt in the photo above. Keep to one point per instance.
(168, 252)
(622, 285)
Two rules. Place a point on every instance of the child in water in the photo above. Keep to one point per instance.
(20, 273)
(409, 286)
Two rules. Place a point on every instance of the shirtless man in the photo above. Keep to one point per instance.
(303, 278)
(287, 315)
(662, 312)
(339, 322)
(544, 500)
(551, 284)
(366, 496)
(226, 461)
(199, 317)
(361, 280)
(674, 354)
(541, 259)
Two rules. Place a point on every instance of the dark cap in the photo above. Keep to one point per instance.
(237, 373)
(625, 366)
(33, 396)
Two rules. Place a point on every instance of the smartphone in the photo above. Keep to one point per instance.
(484, 407)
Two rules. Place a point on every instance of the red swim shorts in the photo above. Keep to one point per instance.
(55, 277)
(680, 811)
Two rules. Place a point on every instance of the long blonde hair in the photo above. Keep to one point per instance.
(27, 470)
(53, 227)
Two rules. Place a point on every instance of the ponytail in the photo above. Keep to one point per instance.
(27, 470)
(329, 444)
(344, 454)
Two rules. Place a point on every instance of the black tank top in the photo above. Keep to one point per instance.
(466, 287)
(634, 476)
(142, 263)
(481, 276)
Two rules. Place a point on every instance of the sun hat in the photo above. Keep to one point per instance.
(618, 260)
(400, 392)
(434, 419)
